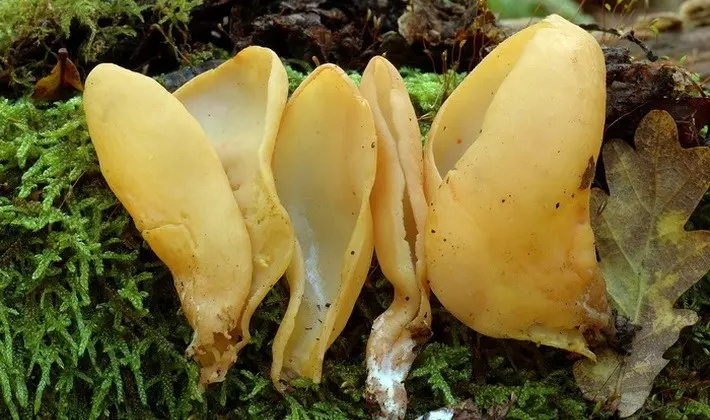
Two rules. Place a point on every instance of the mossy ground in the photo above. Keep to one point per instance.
(90, 324)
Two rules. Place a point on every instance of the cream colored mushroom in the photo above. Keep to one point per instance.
(399, 212)
(509, 163)
(324, 166)
(239, 106)
(162, 167)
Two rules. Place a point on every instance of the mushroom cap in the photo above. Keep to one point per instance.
(239, 104)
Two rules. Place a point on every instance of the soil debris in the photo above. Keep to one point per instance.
(414, 35)
(635, 87)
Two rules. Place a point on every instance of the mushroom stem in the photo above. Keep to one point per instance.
(399, 211)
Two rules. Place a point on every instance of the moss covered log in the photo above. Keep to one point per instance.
(90, 324)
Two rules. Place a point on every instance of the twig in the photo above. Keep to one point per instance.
(629, 36)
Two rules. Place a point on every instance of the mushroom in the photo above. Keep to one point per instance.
(509, 163)
(399, 211)
(324, 166)
(239, 106)
(161, 166)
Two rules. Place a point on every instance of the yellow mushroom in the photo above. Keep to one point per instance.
(324, 166)
(239, 106)
(399, 211)
(509, 163)
(160, 164)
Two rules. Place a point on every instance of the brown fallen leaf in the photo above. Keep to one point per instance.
(59, 82)
(647, 258)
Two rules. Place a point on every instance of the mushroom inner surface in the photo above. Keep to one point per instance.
(324, 164)
(453, 135)
(233, 95)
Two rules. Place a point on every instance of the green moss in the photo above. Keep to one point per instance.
(25, 24)
(31, 21)
(428, 91)
(76, 321)
(90, 324)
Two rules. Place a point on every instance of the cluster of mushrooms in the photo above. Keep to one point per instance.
(234, 185)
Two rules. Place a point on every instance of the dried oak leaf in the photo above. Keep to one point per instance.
(648, 259)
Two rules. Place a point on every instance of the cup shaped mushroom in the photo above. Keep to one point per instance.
(399, 211)
(509, 163)
(161, 166)
(324, 166)
(239, 106)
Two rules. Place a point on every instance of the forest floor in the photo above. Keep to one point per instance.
(90, 324)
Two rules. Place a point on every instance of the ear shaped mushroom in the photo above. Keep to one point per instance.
(239, 105)
(399, 211)
(458, 122)
(509, 246)
(160, 164)
(324, 166)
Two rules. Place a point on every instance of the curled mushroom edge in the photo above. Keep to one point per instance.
(239, 104)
